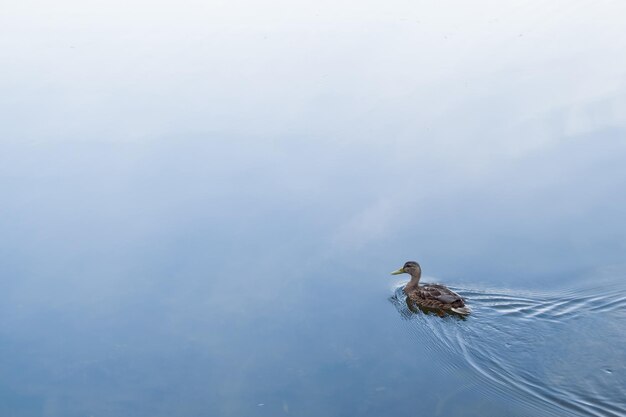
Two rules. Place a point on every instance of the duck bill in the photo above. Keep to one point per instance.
(398, 272)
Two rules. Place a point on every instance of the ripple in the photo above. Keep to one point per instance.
(551, 352)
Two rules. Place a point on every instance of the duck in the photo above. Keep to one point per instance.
(431, 296)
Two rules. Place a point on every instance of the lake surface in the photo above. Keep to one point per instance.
(201, 205)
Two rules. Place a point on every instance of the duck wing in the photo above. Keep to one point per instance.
(436, 292)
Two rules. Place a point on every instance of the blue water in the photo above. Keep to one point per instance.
(201, 205)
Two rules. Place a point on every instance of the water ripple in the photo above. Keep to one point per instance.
(552, 352)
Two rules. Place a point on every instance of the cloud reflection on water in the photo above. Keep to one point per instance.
(153, 162)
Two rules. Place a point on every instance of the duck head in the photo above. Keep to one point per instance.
(411, 267)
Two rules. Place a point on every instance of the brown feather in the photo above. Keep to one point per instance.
(435, 296)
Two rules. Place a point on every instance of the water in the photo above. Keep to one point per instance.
(200, 206)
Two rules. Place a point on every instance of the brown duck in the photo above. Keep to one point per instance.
(432, 296)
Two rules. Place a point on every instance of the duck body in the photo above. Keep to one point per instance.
(437, 297)
(431, 296)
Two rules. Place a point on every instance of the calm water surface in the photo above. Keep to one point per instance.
(200, 206)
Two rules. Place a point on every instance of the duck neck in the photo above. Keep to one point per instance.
(414, 283)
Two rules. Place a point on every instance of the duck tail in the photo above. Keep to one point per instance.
(461, 310)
